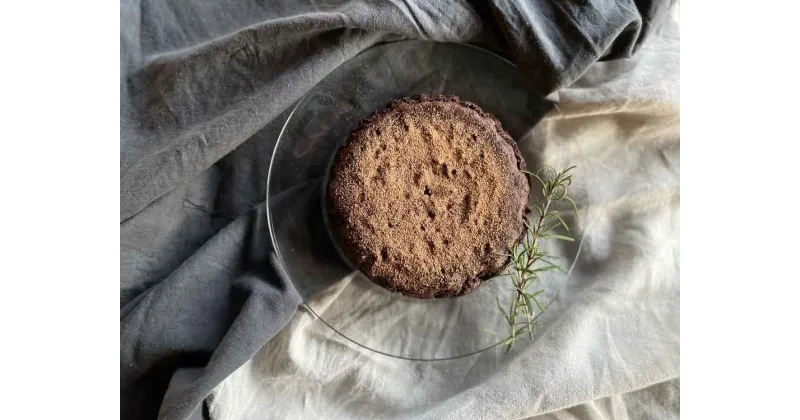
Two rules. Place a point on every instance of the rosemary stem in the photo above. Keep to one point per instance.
(554, 188)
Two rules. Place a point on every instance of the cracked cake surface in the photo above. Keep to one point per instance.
(426, 196)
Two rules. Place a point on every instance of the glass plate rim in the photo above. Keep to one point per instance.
(301, 101)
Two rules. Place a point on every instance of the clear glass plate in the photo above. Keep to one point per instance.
(361, 312)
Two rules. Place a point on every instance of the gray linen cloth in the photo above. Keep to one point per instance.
(609, 347)
(205, 86)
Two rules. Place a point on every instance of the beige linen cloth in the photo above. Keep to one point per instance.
(609, 348)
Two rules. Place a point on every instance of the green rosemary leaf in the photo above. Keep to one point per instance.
(551, 172)
(528, 304)
(548, 262)
(559, 192)
(492, 333)
(563, 223)
(552, 226)
(560, 237)
(539, 304)
(556, 267)
(502, 311)
(574, 207)
(525, 270)
(548, 268)
(541, 181)
(537, 208)
(527, 225)
(536, 293)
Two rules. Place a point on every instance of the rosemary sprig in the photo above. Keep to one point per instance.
(528, 259)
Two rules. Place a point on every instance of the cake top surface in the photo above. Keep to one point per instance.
(427, 196)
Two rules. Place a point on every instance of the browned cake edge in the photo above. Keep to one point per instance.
(337, 225)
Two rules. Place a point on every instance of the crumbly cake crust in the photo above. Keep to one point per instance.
(426, 196)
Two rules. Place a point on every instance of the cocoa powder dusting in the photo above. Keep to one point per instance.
(427, 195)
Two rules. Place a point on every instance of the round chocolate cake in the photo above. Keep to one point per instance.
(427, 195)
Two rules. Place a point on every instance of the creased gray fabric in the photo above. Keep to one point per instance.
(614, 328)
(205, 87)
